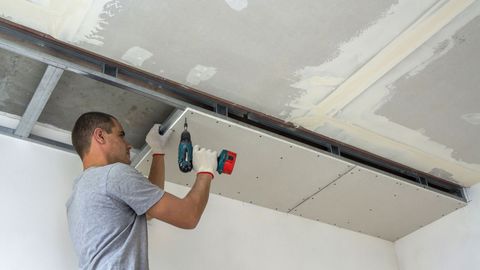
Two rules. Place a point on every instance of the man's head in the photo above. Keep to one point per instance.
(100, 138)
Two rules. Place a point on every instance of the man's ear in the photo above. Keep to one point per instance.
(99, 135)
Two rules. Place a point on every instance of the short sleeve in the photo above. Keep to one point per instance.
(126, 184)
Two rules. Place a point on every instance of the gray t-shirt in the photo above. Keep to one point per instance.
(106, 217)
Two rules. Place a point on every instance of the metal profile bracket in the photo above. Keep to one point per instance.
(110, 70)
(221, 109)
(39, 100)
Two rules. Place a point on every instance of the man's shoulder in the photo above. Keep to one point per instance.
(122, 170)
(119, 167)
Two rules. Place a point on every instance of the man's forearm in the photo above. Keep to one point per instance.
(157, 171)
(199, 193)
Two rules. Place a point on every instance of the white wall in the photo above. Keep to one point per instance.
(450, 243)
(35, 182)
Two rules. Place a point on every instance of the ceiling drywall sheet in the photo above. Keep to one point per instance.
(287, 177)
(426, 108)
(76, 94)
(456, 101)
(294, 51)
(19, 77)
(285, 58)
(269, 172)
(370, 202)
(297, 52)
(241, 55)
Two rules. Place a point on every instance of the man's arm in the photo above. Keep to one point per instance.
(157, 145)
(185, 213)
(157, 168)
(157, 171)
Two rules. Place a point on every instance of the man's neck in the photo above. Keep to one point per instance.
(89, 162)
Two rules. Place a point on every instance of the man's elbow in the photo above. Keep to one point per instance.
(191, 223)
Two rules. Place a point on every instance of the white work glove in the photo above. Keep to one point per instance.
(157, 141)
(204, 160)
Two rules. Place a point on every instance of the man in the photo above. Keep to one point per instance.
(107, 211)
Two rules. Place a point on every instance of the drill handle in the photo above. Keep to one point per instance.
(185, 157)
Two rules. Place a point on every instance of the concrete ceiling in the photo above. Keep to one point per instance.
(395, 78)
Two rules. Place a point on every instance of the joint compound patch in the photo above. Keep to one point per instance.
(84, 22)
(237, 5)
(200, 73)
(472, 118)
(44, 3)
(316, 87)
(136, 56)
(363, 62)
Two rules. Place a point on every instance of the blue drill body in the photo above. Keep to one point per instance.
(185, 150)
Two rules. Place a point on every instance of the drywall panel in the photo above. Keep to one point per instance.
(370, 202)
(284, 176)
(269, 171)
(36, 181)
(452, 242)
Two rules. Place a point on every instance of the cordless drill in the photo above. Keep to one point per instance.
(185, 150)
(225, 161)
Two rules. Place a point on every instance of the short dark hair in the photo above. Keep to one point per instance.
(84, 127)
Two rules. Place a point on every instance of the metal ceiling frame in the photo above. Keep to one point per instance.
(39, 100)
(60, 55)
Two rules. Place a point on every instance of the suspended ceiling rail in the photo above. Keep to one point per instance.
(61, 55)
(39, 100)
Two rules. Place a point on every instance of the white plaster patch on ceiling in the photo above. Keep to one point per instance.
(461, 172)
(84, 23)
(319, 81)
(237, 5)
(316, 89)
(136, 56)
(68, 20)
(200, 73)
(39, 17)
(399, 139)
(472, 118)
(44, 3)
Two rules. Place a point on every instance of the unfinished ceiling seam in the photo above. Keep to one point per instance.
(385, 60)
(320, 81)
(340, 175)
